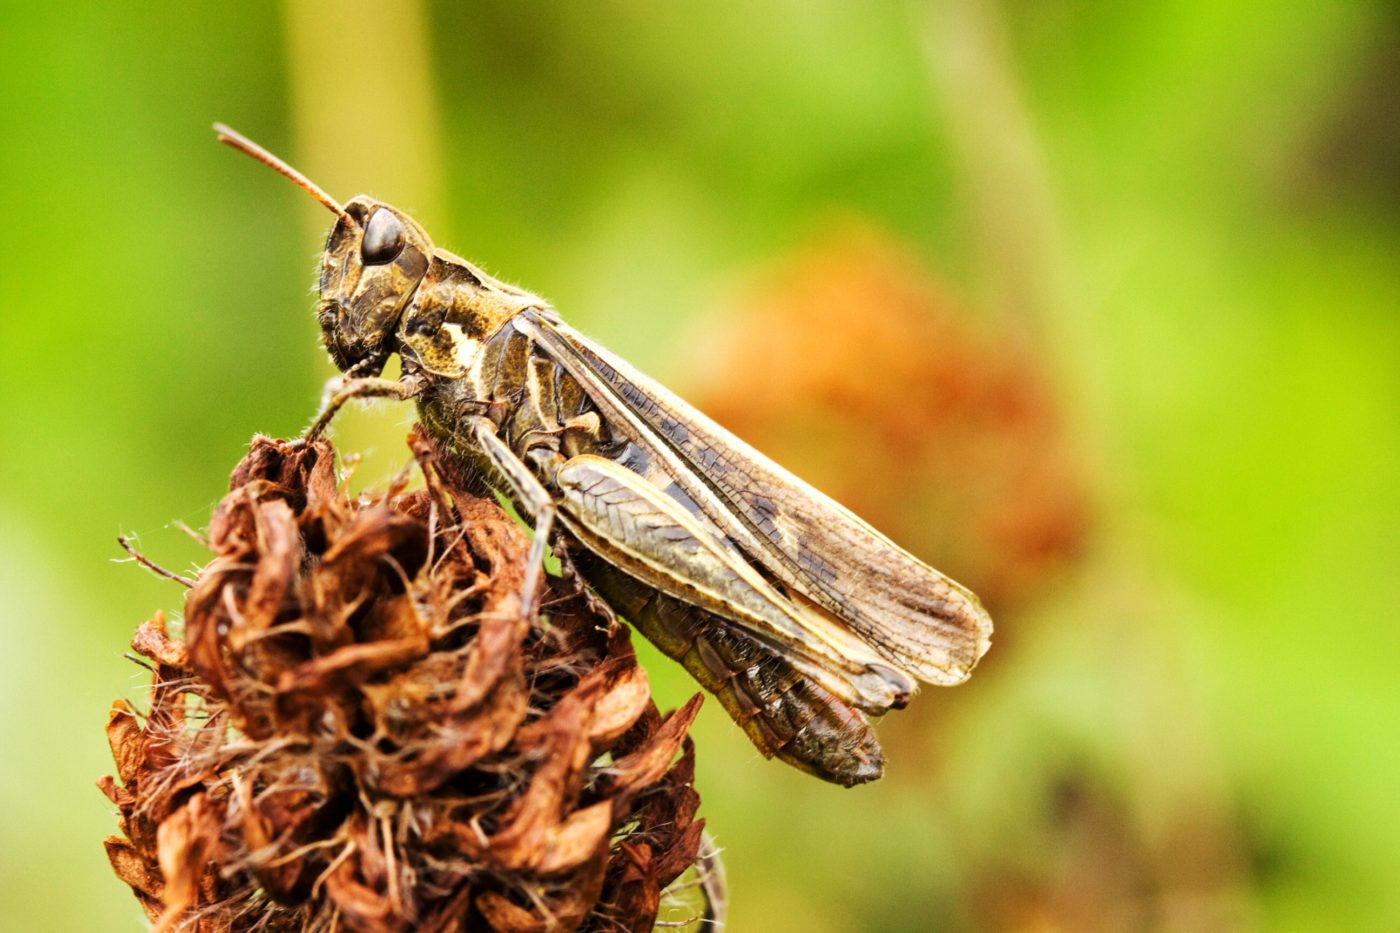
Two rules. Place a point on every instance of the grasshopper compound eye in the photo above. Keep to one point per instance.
(384, 238)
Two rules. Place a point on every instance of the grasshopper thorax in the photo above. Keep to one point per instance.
(375, 258)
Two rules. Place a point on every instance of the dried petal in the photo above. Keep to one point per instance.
(132, 868)
(184, 843)
(125, 738)
(152, 641)
(577, 839)
(646, 765)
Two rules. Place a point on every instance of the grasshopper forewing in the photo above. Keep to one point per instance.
(798, 615)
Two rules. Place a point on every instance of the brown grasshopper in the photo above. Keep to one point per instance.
(801, 618)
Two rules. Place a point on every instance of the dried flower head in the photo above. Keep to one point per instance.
(360, 729)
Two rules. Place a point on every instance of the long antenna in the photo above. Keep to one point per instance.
(237, 140)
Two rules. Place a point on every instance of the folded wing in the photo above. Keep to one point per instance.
(912, 615)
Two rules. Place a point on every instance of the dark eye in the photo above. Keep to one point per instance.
(384, 238)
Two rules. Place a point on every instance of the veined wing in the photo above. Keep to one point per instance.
(618, 513)
(914, 616)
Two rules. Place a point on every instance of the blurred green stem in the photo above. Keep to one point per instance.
(364, 105)
(1011, 205)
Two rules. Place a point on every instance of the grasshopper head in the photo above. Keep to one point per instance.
(375, 257)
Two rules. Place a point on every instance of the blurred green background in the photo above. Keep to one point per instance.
(1179, 222)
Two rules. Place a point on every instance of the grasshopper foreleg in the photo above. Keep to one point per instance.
(338, 392)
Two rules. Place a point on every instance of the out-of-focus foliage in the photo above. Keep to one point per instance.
(1183, 218)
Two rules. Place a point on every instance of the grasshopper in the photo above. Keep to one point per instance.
(803, 620)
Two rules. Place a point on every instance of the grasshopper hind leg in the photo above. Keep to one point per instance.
(784, 713)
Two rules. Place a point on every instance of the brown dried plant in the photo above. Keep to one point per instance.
(360, 730)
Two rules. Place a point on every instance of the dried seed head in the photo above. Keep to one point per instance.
(360, 730)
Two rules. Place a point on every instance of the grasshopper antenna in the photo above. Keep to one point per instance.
(231, 137)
